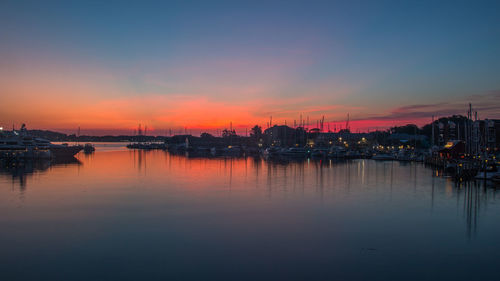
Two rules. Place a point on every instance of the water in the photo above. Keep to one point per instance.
(149, 215)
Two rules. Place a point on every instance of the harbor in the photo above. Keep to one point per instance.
(249, 140)
(462, 147)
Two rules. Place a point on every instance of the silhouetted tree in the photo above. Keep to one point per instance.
(228, 133)
(206, 136)
(256, 132)
(409, 129)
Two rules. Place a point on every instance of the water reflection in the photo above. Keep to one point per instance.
(473, 197)
(341, 219)
(20, 172)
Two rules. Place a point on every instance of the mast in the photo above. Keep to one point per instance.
(347, 122)
(432, 129)
(469, 118)
(78, 135)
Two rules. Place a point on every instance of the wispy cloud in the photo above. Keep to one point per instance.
(486, 104)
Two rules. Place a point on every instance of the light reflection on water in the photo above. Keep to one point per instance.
(129, 215)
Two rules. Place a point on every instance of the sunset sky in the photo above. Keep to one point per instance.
(107, 67)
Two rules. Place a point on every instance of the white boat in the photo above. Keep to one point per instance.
(32, 147)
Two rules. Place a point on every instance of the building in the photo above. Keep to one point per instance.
(452, 150)
(282, 135)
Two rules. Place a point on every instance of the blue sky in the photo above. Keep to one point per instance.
(283, 58)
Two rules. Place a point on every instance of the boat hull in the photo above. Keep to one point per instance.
(65, 151)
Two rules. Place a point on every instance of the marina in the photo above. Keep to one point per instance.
(462, 158)
(249, 140)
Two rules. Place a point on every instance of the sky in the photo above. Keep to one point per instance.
(107, 66)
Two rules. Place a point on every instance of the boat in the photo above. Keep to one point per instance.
(319, 152)
(489, 173)
(231, 150)
(294, 152)
(383, 157)
(64, 150)
(33, 147)
(496, 178)
(403, 155)
(88, 148)
(352, 154)
(272, 151)
(337, 152)
(147, 146)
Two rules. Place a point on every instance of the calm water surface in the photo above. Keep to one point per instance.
(137, 215)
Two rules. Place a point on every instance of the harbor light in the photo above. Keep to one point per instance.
(1, 128)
